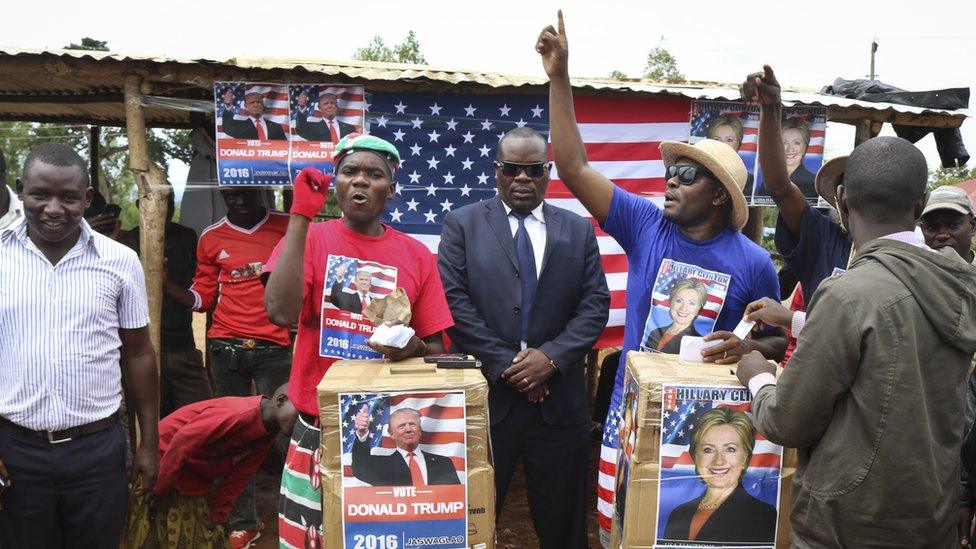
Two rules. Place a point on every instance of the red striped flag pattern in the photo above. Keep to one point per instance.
(623, 136)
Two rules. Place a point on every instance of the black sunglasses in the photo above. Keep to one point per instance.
(512, 169)
(687, 174)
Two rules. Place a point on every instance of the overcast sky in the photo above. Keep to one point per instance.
(927, 45)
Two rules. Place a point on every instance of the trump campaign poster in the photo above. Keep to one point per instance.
(404, 469)
(719, 476)
(350, 285)
(267, 132)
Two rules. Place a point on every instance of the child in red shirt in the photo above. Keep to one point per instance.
(208, 451)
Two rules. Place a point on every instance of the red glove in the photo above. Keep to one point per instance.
(311, 188)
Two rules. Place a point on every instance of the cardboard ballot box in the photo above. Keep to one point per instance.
(661, 484)
(377, 492)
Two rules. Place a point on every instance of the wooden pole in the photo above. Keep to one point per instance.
(153, 193)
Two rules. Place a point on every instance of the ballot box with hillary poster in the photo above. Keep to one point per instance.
(692, 469)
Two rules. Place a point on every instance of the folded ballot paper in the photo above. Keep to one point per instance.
(692, 346)
(390, 314)
(397, 335)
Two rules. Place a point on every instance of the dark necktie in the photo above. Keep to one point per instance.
(527, 274)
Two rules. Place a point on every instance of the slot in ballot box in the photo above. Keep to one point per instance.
(406, 460)
(691, 469)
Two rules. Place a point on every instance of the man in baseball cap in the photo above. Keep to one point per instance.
(306, 264)
(948, 221)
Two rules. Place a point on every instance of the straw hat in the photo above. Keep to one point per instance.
(721, 160)
(831, 175)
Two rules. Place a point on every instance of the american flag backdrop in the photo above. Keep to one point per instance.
(682, 408)
(449, 141)
(442, 422)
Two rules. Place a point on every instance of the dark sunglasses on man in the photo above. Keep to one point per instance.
(512, 169)
(687, 173)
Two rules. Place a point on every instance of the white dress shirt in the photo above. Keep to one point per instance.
(59, 328)
(418, 456)
(535, 225)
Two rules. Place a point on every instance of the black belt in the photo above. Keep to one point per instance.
(55, 437)
(246, 344)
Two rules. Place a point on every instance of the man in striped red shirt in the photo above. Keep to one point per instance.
(244, 345)
(72, 305)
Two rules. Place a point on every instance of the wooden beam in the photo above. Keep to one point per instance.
(864, 130)
(62, 98)
(153, 193)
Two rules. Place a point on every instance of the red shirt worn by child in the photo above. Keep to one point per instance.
(229, 263)
(221, 439)
(330, 326)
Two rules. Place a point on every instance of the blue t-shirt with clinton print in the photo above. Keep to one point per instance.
(667, 271)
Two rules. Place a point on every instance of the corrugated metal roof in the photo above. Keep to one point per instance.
(57, 73)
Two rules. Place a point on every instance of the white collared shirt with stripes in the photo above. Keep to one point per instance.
(59, 328)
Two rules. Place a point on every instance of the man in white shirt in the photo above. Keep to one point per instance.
(73, 305)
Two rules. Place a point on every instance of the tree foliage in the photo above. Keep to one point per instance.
(407, 51)
(89, 44)
(662, 65)
(618, 75)
(115, 181)
(950, 176)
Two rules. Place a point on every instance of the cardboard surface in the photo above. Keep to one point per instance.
(636, 529)
(376, 376)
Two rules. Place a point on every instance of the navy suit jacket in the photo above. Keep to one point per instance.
(479, 269)
(392, 470)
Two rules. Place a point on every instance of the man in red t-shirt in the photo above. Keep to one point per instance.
(312, 259)
(208, 448)
(244, 345)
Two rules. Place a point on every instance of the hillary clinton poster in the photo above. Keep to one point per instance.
(719, 476)
(404, 470)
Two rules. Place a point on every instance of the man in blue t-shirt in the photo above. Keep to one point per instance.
(813, 245)
(690, 270)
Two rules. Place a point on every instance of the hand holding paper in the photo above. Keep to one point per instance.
(769, 312)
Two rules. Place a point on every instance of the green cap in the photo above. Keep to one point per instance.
(365, 142)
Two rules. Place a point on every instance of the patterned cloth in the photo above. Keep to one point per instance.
(183, 521)
(300, 502)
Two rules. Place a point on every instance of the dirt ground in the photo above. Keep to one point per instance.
(514, 527)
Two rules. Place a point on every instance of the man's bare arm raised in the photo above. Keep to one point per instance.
(588, 185)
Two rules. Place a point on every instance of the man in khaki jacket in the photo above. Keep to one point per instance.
(874, 394)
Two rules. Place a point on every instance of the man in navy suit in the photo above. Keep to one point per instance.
(408, 465)
(325, 126)
(255, 126)
(526, 288)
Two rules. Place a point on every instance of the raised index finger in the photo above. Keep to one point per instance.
(562, 26)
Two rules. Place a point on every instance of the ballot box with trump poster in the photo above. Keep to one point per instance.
(405, 456)
(692, 470)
